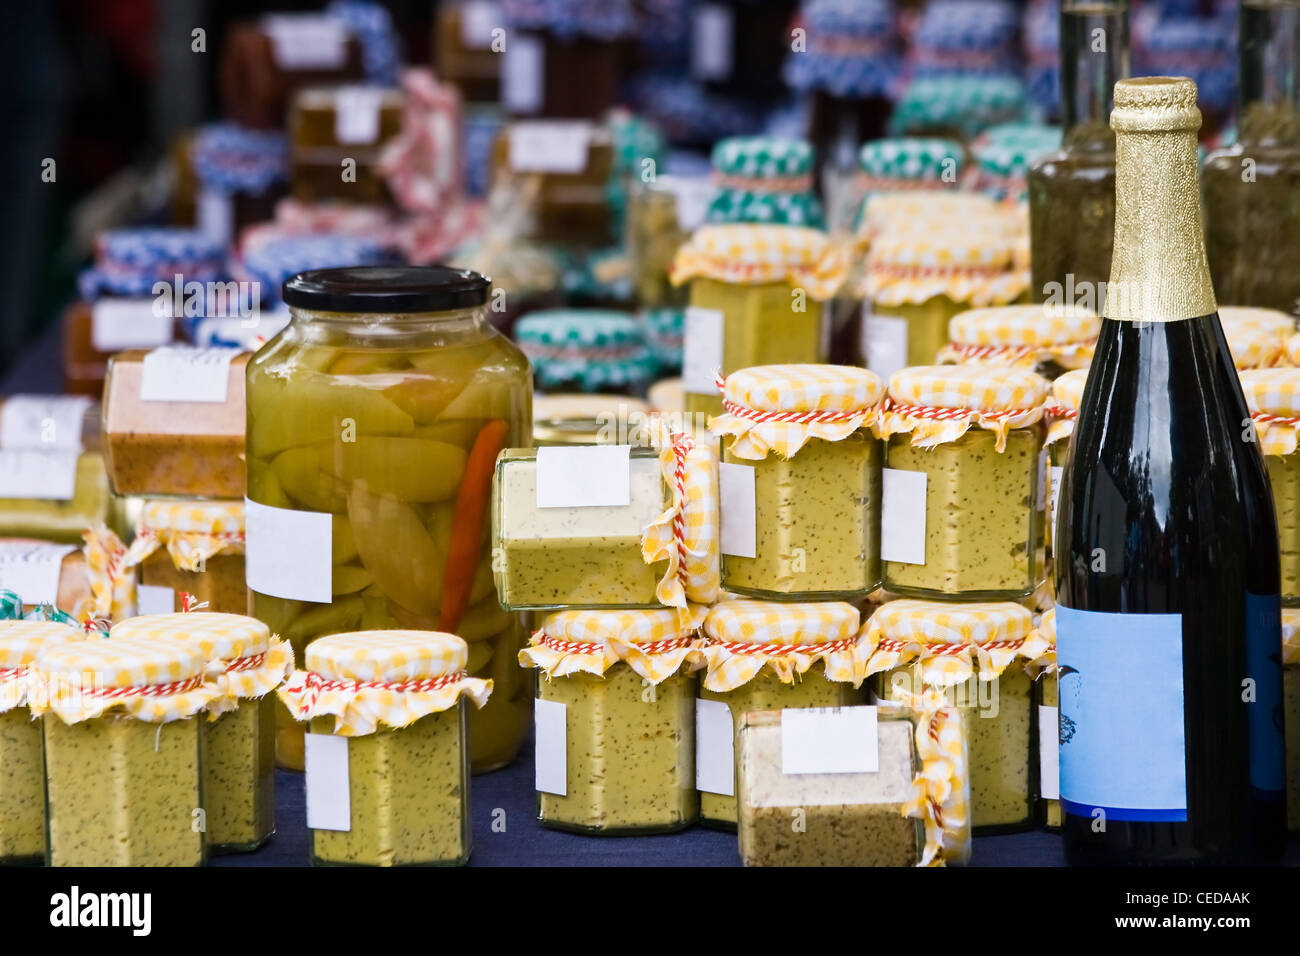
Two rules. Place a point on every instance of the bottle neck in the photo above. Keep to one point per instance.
(1269, 51)
(1094, 55)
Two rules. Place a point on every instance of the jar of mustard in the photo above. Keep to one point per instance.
(801, 436)
(1061, 410)
(1050, 339)
(619, 683)
(971, 654)
(239, 733)
(22, 785)
(756, 298)
(1273, 397)
(394, 704)
(192, 547)
(964, 482)
(763, 655)
(374, 423)
(1048, 699)
(122, 724)
(1291, 705)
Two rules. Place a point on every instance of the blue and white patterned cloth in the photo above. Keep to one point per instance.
(1202, 48)
(229, 158)
(371, 24)
(598, 19)
(851, 49)
(129, 261)
(274, 261)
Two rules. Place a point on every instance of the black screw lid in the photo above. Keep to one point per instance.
(386, 289)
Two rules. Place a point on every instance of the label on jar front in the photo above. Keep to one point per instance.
(183, 373)
(711, 53)
(38, 473)
(328, 789)
(551, 740)
(306, 41)
(155, 599)
(884, 342)
(702, 341)
(287, 552)
(119, 324)
(738, 521)
(902, 515)
(214, 215)
(356, 113)
(43, 421)
(715, 746)
(31, 569)
(1122, 749)
(549, 146)
(523, 76)
(1049, 752)
(829, 740)
(584, 476)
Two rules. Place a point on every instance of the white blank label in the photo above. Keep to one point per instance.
(31, 569)
(307, 42)
(550, 741)
(545, 146)
(1049, 751)
(118, 324)
(287, 552)
(829, 740)
(329, 793)
(902, 516)
(356, 114)
(884, 342)
(715, 744)
(185, 374)
(215, 216)
(738, 534)
(522, 74)
(43, 421)
(584, 476)
(711, 42)
(154, 599)
(38, 474)
(702, 350)
(477, 19)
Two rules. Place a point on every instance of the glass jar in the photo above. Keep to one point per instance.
(957, 106)
(123, 773)
(404, 758)
(766, 180)
(1002, 156)
(22, 785)
(586, 350)
(991, 689)
(1273, 397)
(1050, 339)
(662, 213)
(806, 478)
(462, 49)
(618, 683)
(374, 422)
(192, 547)
(585, 419)
(239, 736)
(563, 59)
(1291, 706)
(906, 164)
(328, 125)
(970, 483)
(51, 494)
(743, 676)
(241, 175)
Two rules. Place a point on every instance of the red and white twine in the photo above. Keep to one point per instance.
(1263, 418)
(780, 650)
(944, 414)
(594, 647)
(683, 445)
(786, 418)
(313, 685)
(763, 184)
(148, 690)
(1060, 411)
(977, 352)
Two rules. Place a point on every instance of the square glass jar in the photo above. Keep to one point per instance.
(22, 789)
(239, 776)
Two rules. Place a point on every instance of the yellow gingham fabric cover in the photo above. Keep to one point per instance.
(943, 781)
(915, 625)
(751, 621)
(1293, 349)
(1256, 317)
(622, 636)
(974, 265)
(394, 656)
(1274, 391)
(796, 388)
(1066, 391)
(977, 389)
(892, 212)
(1254, 347)
(694, 572)
(1042, 641)
(68, 676)
(1065, 334)
(224, 639)
(21, 643)
(1290, 636)
(745, 253)
(191, 531)
(112, 580)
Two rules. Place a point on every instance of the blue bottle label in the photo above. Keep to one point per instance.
(1264, 718)
(1123, 749)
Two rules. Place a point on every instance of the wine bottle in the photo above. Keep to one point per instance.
(1168, 608)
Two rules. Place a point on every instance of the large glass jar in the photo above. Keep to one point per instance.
(374, 423)
(964, 483)
(813, 667)
(1273, 396)
(819, 471)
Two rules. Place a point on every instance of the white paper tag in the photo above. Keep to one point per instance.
(356, 113)
(691, 196)
(715, 745)
(118, 324)
(214, 216)
(287, 552)
(329, 788)
(477, 20)
(902, 516)
(43, 421)
(702, 350)
(711, 53)
(738, 531)
(523, 75)
(884, 343)
(45, 475)
(31, 569)
(306, 41)
(155, 599)
(829, 740)
(584, 476)
(1054, 475)
(1049, 752)
(549, 146)
(550, 743)
(182, 373)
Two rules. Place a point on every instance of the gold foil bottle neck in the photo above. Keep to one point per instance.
(1158, 270)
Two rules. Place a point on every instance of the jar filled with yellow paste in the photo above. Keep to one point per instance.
(1273, 397)
(799, 447)
(964, 482)
(615, 720)
(22, 785)
(387, 754)
(756, 298)
(374, 423)
(1291, 708)
(761, 655)
(1048, 697)
(607, 525)
(122, 723)
(973, 654)
(1060, 411)
(192, 547)
(1050, 339)
(239, 733)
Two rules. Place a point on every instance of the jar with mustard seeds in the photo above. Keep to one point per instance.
(1273, 397)
(615, 720)
(800, 436)
(387, 754)
(193, 547)
(765, 655)
(964, 482)
(1049, 339)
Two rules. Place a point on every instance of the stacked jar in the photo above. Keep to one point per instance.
(1003, 155)
(957, 106)
(764, 179)
(336, 134)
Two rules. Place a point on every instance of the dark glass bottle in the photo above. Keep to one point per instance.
(1168, 612)
(1252, 188)
(1072, 190)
